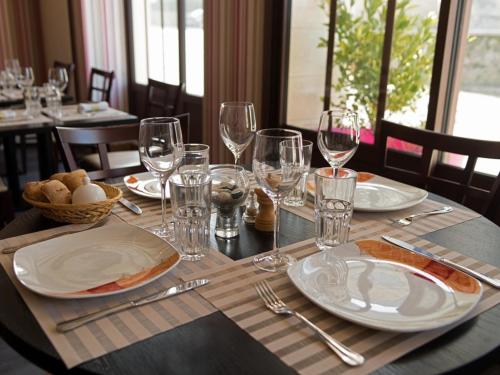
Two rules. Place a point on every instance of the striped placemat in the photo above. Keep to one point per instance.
(231, 292)
(118, 330)
(419, 227)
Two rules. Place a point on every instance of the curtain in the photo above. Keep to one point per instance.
(99, 36)
(234, 43)
(20, 35)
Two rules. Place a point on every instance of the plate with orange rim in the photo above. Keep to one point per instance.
(379, 194)
(98, 262)
(145, 185)
(382, 286)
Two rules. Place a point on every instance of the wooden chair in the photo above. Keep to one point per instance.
(70, 68)
(100, 85)
(106, 164)
(427, 171)
(109, 166)
(163, 99)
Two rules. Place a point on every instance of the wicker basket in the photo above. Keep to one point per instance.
(80, 213)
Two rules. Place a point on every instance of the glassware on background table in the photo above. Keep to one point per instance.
(12, 66)
(338, 136)
(277, 166)
(229, 189)
(195, 158)
(190, 200)
(334, 204)
(25, 77)
(237, 126)
(53, 101)
(32, 101)
(58, 77)
(160, 149)
(297, 197)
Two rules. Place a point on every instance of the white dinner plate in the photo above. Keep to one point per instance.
(379, 194)
(98, 262)
(146, 185)
(381, 286)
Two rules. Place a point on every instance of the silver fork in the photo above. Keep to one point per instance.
(276, 305)
(409, 219)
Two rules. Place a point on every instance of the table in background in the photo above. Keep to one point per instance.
(215, 344)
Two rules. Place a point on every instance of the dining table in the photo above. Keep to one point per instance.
(219, 341)
(42, 127)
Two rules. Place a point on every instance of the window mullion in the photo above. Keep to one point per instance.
(329, 55)
(181, 25)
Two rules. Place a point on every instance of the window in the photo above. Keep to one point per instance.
(380, 63)
(167, 38)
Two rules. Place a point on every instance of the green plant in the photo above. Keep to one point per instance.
(358, 53)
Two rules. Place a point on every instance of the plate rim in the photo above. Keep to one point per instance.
(140, 192)
(392, 328)
(74, 295)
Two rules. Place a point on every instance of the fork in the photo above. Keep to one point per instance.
(409, 219)
(276, 305)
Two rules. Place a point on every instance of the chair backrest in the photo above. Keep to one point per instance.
(100, 136)
(70, 68)
(100, 85)
(163, 99)
(458, 187)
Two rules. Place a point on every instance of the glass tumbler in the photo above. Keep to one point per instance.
(32, 101)
(190, 200)
(334, 203)
(229, 190)
(297, 197)
(53, 101)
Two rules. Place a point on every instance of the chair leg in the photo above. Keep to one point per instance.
(22, 149)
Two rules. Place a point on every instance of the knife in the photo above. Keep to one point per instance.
(131, 206)
(71, 324)
(418, 250)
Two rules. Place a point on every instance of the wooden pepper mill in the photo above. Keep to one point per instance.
(265, 218)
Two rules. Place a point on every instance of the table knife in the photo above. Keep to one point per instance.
(131, 206)
(71, 324)
(415, 249)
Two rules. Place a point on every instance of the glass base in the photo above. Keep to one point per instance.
(192, 258)
(294, 202)
(162, 231)
(227, 232)
(273, 262)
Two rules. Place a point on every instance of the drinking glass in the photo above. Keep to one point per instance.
(190, 200)
(32, 101)
(297, 197)
(12, 66)
(338, 136)
(53, 101)
(195, 158)
(277, 166)
(58, 77)
(229, 190)
(334, 202)
(25, 78)
(237, 126)
(160, 149)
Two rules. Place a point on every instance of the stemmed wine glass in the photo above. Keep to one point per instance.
(25, 77)
(237, 126)
(58, 78)
(277, 166)
(161, 150)
(338, 136)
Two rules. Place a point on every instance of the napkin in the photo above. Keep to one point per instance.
(92, 107)
(7, 114)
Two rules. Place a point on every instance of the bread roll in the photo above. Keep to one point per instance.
(56, 192)
(74, 179)
(58, 176)
(33, 191)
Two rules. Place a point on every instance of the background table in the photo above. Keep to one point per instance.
(215, 345)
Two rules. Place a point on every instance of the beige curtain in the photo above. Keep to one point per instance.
(234, 42)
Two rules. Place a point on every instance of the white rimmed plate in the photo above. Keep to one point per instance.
(379, 194)
(107, 260)
(384, 287)
(145, 185)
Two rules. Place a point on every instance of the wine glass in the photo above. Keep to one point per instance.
(237, 126)
(338, 136)
(161, 149)
(58, 77)
(277, 165)
(25, 78)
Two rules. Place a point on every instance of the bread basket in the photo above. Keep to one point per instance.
(79, 213)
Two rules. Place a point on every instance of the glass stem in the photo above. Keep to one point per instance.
(335, 171)
(236, 158)
(276, 243)
(163, 208)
